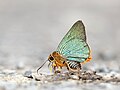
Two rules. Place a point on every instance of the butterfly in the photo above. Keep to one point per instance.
(72, 51)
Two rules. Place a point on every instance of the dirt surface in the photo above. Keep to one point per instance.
(30, 80)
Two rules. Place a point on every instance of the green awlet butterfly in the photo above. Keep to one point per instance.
(72, 50)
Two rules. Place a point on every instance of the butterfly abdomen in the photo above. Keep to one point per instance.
(73, 65)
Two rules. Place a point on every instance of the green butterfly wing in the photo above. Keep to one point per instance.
(73, 46)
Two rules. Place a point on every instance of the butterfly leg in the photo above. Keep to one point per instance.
(57, 73)
(79, 70)
(74, 68)
(57, 69)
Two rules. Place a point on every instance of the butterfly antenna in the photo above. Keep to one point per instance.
(41, 66)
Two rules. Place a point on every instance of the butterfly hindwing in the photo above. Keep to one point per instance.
(73, 46)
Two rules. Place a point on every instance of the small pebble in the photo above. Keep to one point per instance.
(28, 74)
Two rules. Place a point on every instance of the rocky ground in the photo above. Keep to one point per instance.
(22, 79)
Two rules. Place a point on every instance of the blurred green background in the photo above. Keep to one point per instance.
(31, 29)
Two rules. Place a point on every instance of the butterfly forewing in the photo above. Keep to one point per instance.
(73, 46)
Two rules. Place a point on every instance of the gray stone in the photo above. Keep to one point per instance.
(28, 74)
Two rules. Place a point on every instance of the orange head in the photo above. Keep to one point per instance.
(56, 59)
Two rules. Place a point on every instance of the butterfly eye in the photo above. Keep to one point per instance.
(51, 58)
